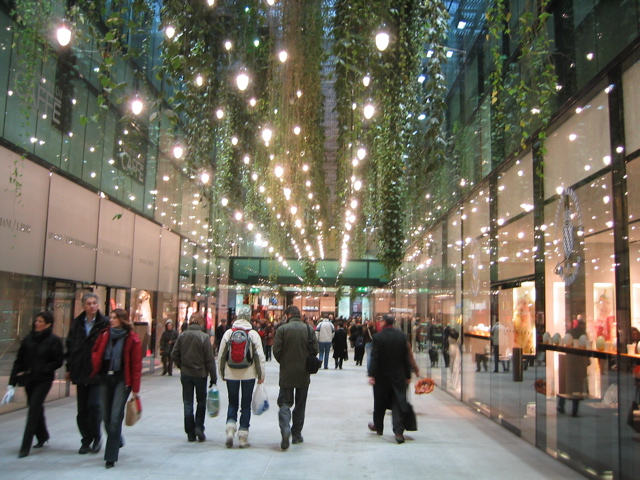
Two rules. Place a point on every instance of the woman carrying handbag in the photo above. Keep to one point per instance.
(39, 356)
(117, 359)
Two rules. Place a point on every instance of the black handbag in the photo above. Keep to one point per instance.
(313, 362)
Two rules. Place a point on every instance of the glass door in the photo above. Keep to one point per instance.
(513, 358)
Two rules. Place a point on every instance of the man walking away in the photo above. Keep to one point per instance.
(290, 349)
(390, 372)
(325, 336)
(82, 335)
(193, 355)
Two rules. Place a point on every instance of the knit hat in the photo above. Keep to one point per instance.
(168, 322)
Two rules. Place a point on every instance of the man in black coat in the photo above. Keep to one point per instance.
(82, 335)
(390, 372)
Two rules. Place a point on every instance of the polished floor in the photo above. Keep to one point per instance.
(452, 441)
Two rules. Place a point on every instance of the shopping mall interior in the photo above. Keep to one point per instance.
(464, 165)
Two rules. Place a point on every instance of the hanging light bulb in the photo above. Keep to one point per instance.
(296, 130)
(177, 152)
(362, 152)
(234, 141)
(169, 31)
(211, 3)
(219, 113)
(369, 110)
(63, 34)
(199, 80)
(242, 80)
(136, 105)
(253, 102)
(279, 171)
(224, 201)
(228, 45)
(294, 210)
(357, 185)
(283, 56)
(271, 2)
(382, 39)
(366, 80)
(267, 134)
(238, 216)
(354, 203)
(204, 177)
(246, 159)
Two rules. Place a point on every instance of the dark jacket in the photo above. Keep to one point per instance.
(131, 358)
(193, 353)
(390, 357)
(167, 341)
(340, 344)
(79, 347)
(291, 351)
(41, 354)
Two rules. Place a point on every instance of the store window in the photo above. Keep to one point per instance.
(631, 93)
(579, 147)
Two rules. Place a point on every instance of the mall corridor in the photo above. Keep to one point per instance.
(452, 441)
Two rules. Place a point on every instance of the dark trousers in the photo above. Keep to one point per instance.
(267, 352)
(88, 417)
(287, 398)
(167, 364)
(36, 423)
(233, 390)
(383, 396)
(339, 361)
(114, 395)
(189, 385)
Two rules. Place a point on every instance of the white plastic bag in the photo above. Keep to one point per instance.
(8, 397)
(260, 402)
(213, 401)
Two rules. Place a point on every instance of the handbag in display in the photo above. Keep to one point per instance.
(313, 362)
(133, 411)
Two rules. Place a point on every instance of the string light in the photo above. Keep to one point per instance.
(63, 34)
(169, 31)
(382, 40)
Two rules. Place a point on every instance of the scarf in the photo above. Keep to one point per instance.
(115, 347)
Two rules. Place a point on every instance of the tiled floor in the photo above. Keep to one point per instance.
(452, 442)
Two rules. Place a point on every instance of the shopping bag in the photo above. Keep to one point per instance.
(260, 402)
(133, 411)
(8, 397)
(213, 401)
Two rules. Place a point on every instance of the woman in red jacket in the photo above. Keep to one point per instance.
(117, 358)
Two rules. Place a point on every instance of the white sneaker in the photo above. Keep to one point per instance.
(231, 431)
(243, 439)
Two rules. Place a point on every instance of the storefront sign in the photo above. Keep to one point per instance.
(310, 308)
(72, 232)
(401, 310)
(115, 245)
(23, 214)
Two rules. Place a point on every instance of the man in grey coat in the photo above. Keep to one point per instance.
(193, 355)
(290, 349)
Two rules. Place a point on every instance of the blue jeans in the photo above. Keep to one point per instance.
(114, 395)
(367, 348)
(325, 348)
(189, 384)
(233, 390)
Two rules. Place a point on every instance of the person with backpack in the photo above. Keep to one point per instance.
(242, 362)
